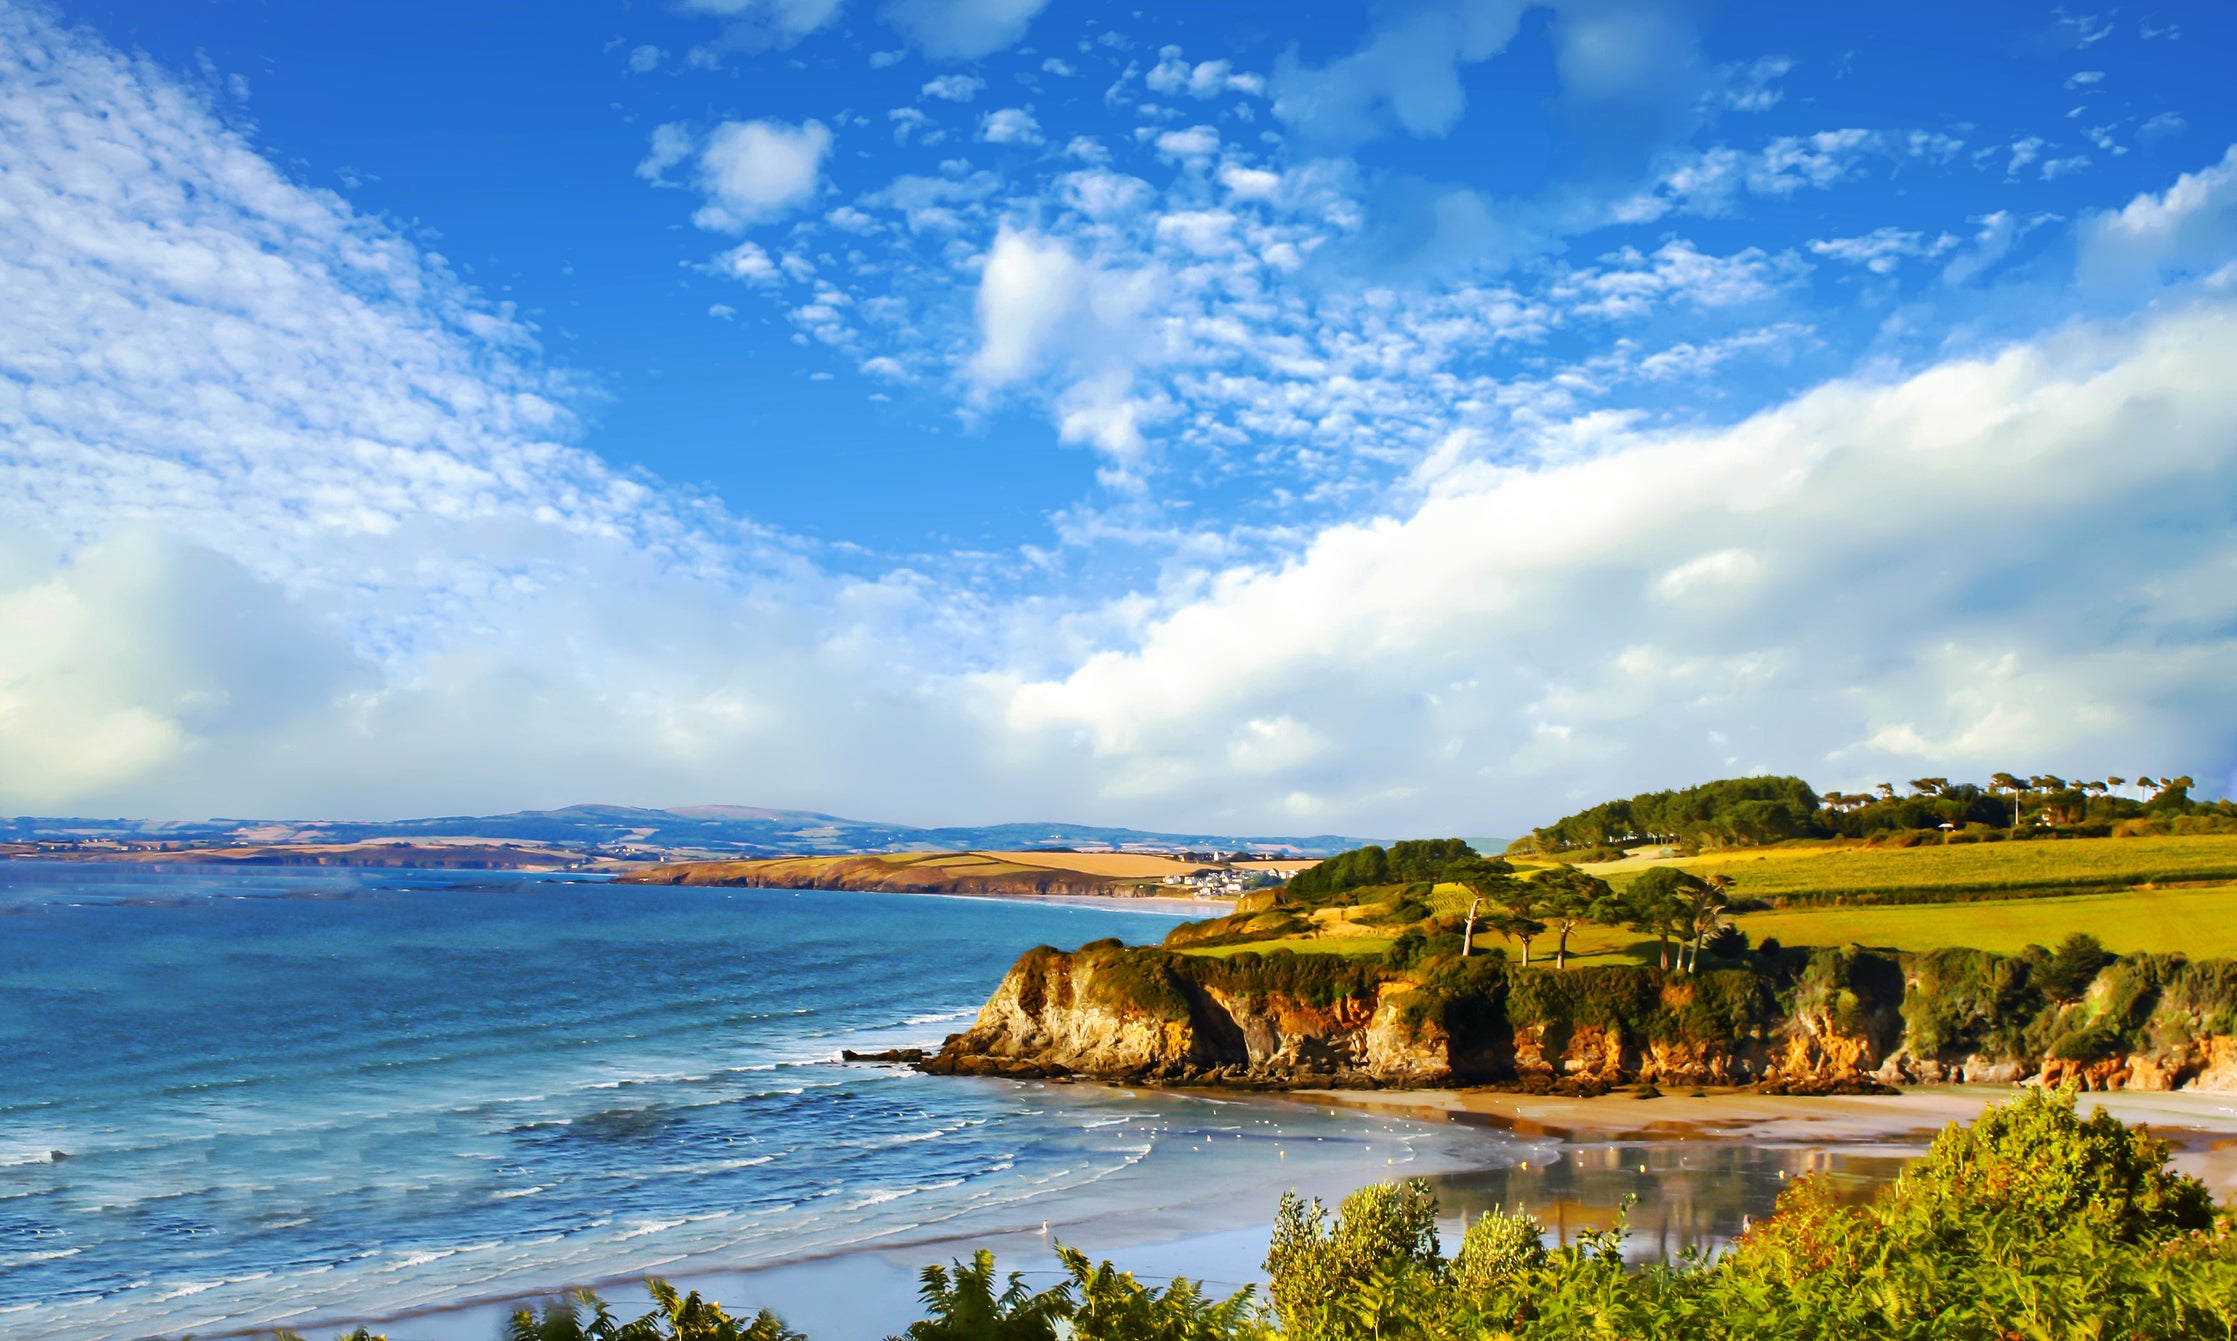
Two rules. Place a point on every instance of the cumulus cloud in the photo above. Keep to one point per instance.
(305, 528)
(1011, 125)
(2190, 228)
(962, 29)
(1437, 650)
(671, 144)
(1175, 77)
(955, 87)
(756, 25)
(1028, 289)
(753, 171)
(1408, 74)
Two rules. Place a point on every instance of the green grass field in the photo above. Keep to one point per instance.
(1816, 873)
(2200, 923)
(2136, 895)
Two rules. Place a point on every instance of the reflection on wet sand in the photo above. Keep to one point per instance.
(1690, 1194)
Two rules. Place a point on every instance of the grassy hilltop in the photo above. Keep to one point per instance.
(1898, 872)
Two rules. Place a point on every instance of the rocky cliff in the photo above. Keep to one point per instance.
(1829, 1022)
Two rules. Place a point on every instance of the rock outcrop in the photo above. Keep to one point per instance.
(1844, 1022)
(1151, 1016)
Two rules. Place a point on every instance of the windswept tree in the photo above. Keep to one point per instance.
(1706, 907)
(1569, 899)
(1486, 879)
(1660, 904)
(1518, 915)
(2016, 785)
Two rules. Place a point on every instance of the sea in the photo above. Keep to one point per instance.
(246, 1098)
(234, 1100)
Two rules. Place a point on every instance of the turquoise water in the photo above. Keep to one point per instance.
(240, 1099)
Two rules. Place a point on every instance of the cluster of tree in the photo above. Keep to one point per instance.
(1399, 864)
(1735, 812)
(1751, 812)
(2034, 1221)
(1684, 912)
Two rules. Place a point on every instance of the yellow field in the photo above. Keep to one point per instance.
(1116, 865)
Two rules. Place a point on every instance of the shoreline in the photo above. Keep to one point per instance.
(2200, 1125)
(868, 1290)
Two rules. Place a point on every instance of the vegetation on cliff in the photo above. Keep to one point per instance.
(1758, 811)
(1795, 1019)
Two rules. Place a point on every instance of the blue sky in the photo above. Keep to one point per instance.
(1300, 416)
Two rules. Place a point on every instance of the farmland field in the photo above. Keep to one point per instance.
(2200, 923)
(1813, 874)
(1117, 865)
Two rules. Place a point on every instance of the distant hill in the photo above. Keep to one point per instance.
(746, 831)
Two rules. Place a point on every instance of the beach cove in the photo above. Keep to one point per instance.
(234, 1100)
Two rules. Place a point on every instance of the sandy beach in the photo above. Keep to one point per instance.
(1698, 1163)
(2201, 1126)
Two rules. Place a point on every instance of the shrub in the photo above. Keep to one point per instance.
(1316, 1266)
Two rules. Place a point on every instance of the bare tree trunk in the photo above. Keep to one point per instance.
(1663, 959)
(1468, 937)
(1561, 950)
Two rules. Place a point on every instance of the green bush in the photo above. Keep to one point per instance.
(2032, 1223)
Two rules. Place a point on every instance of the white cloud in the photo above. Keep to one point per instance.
(1102, 195)
(954, 87)
(747, 261)
(1439, 649)
(2189, 229)
(1249, 183)
(1011, 125)
(907, 121)
(1795, 161)
(1029, 287)
(1407, 74)
(962, 29)
(1197, 142)
(671, 144)
(1174, 77)
(1883, 250)
(1630, 283)
(1061, 69)
(755, 25)
(645, 59)
(753, 171)
(1750, 87)
(300, 518)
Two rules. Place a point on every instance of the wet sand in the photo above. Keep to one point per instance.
(2201, 1126)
